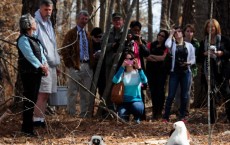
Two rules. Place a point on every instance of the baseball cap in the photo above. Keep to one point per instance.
(116, 15)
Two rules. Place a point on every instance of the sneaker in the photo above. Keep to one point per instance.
(39, 124)
(138, 121)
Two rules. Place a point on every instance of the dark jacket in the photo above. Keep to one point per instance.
(71, 54)
(24, 65)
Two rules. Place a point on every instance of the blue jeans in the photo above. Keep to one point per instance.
(127, 108)
(176, 78)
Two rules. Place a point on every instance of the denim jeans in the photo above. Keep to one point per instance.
(176, 78)
(127, 108)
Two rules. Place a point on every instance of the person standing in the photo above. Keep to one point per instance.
(78, 58)
(219, 45)
(156, 73)
(96, 35)
(189, 32)
(183, 56)
(132, 76)
(32, 65)
(111, 51)
(46, 35)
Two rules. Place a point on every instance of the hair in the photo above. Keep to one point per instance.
(25, 23)
(215, 23)
(178, 27)
(165, 32)
(82, 12)
(135, 23)
(128, 52)
(96, 31)
(191, 26)
(46, 2)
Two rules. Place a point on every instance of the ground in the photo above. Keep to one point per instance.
(65, 129)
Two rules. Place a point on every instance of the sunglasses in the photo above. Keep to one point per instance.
(161, 35)
(99, 36)
(129, 58)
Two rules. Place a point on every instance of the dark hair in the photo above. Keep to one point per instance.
(135, 23)
(46, 2)
(177, 27)
(165, 32)
(128, 52)
(96, 31)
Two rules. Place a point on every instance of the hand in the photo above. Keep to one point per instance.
(135, 64)
(45, 69)
(172, 31)
(58, 71)
(185, 64)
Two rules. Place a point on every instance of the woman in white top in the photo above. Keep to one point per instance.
(183, 56)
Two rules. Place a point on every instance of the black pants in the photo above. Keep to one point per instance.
(157, 88)
(31, 83)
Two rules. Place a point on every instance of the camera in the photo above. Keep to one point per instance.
(213, 48)
(130, 62)
(135, 37)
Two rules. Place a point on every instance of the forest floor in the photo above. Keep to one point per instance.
(64, 129)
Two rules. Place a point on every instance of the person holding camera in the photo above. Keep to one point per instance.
(137, 45)
(219, 63)
(183, 56)
(132, 76)
(32, 65)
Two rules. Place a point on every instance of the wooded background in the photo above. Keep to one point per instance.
(173, 12)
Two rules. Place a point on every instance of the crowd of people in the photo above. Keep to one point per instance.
(39, 61)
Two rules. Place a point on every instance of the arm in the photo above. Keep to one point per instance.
(158, 57)
(142, 76)
(118, 76)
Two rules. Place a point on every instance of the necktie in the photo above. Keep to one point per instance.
(84, 46)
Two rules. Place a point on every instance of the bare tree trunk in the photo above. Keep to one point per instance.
(103, 14)
(30, 6)
(118, 6)
(221, 13)
(188, 12)
(138, 11)
(150, 21)
(202, 14)
(176, 11)
(164, 24)
(79, 6)
(126, 5)
(91, 10)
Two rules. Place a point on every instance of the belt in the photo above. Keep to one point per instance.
(84, 61)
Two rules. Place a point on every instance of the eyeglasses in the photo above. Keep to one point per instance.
(98, 36)
(129, 58)
(161, 35)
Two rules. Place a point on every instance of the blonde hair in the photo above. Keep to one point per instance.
(215, 23)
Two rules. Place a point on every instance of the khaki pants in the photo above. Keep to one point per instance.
(83, 76)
